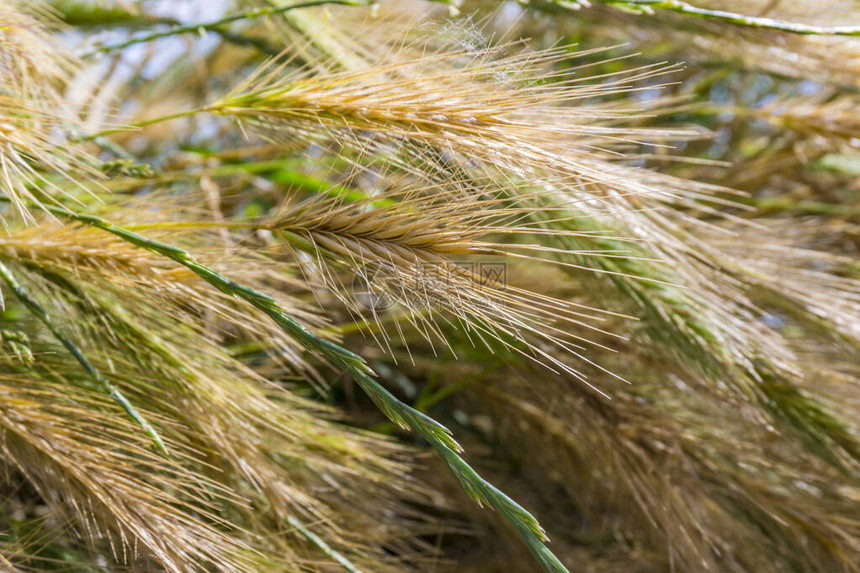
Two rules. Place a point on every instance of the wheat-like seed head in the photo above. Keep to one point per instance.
(31, 59)
(81, 254)
(424, 247)
(287, 461)
(37, 160)
(65, 441)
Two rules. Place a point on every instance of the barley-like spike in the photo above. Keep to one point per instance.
(36, 309)
(437, 435)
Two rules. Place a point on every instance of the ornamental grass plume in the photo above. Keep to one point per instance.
(632, 337)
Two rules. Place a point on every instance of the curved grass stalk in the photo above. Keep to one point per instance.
(438, 436)
(36, 309)
(281, 435)
(216, 24)
(322, 545)
(649, 7)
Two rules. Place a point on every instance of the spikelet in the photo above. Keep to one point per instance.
(31, 61)
(431, 249)
(295, 467)
(34, 128)
(79, 252)
(477, 123)
(478, 120)
(487, 108)
(65, 443)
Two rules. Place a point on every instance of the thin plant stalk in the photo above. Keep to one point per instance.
(437, 435)
(216, 24)
(39, 312)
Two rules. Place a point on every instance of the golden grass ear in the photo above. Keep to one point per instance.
(735, 448)
(32, 60)
(286, 447)
(433, 250)
(32, 155)
(64, 440)
(36, 125)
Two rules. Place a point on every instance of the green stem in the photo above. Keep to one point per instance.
(434, 433)
(792, 206)
(86, 14)
(215, 24)
(283, 172)
(677, 6)
(36, 309)
(322, 545)
(139, 124)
